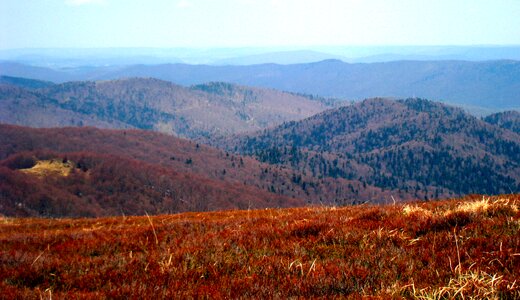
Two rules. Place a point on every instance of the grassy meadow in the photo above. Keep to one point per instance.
(460, 248)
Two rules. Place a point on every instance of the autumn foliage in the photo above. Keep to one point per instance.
(84, 184)
(133, 160)
(441, 249)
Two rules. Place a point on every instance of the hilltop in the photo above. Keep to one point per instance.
(440, 249)
(508, 120)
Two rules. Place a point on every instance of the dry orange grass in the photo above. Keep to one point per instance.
(464, 248)
(489, 206)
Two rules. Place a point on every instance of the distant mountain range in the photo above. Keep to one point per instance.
(492, 85)
(199, 111)
(407, 145)
(76, 57)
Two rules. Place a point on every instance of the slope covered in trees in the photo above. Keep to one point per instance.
(508, 120)
(95, 185)
(25, 82)
(197, 112)
(417, 146)
(120, 156)
(29, 108)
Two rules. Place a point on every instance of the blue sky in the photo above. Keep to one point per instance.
(255, 23)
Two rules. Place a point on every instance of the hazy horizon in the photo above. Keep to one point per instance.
(204, 24)
(76, 57)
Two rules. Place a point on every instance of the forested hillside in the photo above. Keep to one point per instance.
(508, 120)
(25, 82)
(136, 169)
(197, 112)
(414, 145)
(82, 184)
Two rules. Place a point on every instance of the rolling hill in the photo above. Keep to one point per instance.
(200, 111)
(48, 184)
(491, 84)
(133, 171)
(410, 145)
(28, 107)
(73, 172)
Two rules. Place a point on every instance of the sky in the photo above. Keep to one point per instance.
(256, 23)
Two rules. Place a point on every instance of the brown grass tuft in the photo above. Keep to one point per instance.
(415, 210)
(488, 207)
(469, 285)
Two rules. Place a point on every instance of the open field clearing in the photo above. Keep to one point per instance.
(459, 248)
